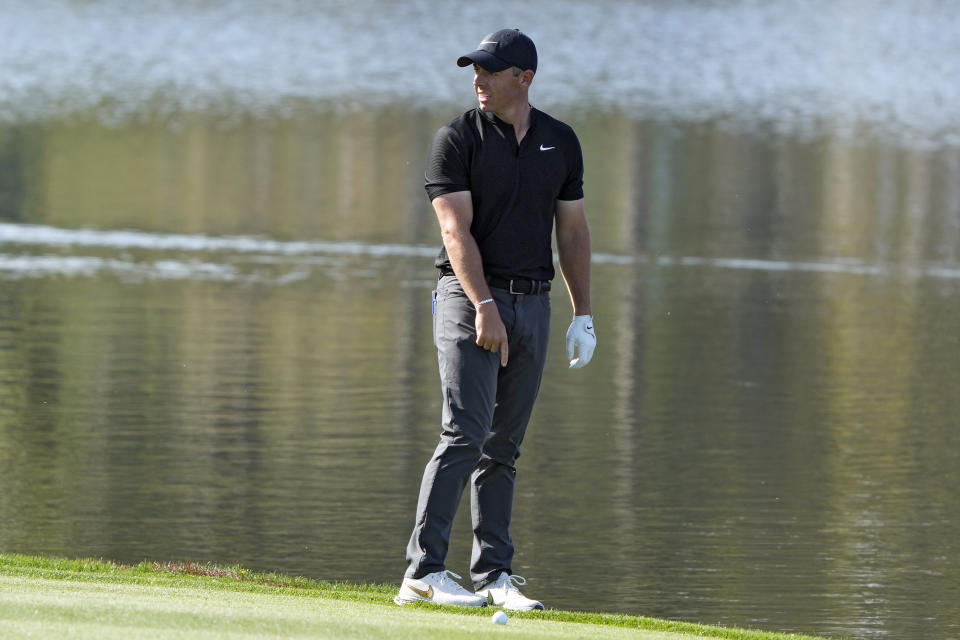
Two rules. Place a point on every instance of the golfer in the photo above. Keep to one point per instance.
(500, 177)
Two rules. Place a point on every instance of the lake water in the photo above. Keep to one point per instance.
(215, 276)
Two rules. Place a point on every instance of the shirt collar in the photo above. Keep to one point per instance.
(506, 126)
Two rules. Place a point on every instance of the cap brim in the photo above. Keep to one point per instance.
(485, 59)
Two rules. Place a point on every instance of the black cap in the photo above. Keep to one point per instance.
(501, 50)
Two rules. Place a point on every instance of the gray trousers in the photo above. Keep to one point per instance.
(486, 408)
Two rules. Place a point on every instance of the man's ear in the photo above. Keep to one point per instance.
(526, 78)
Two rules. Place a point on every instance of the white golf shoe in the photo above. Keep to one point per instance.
(439, 588)
(503, 592)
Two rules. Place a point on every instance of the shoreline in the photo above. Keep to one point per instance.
(46, 596)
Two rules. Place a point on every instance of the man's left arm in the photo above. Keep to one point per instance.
(573, 247)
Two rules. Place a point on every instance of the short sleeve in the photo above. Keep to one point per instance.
(447, 170)
(572, 188)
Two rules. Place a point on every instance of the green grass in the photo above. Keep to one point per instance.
(59, 598)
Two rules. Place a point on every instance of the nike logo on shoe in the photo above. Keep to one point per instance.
(543, 148)
(423, 594)
(504, 592)
(441, 588)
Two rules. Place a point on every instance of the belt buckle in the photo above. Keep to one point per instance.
(516, 293)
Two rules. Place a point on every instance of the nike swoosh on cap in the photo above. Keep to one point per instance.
(489, 42)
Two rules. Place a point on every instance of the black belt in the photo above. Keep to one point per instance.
(516, 286)
(519, 286)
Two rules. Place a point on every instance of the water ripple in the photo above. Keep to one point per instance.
(797, 65)
(265, 252)
(29, 234)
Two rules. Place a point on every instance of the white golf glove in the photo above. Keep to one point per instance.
(580, 336)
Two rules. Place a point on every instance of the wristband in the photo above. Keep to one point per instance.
(483, 302)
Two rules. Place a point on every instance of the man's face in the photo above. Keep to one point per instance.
(497, 90)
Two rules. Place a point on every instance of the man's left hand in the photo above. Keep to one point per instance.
(580, 336)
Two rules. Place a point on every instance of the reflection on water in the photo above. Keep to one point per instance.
(215, 345)
(656, 189)
(752, 448)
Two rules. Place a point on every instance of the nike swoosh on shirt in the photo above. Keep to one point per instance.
(543, 148)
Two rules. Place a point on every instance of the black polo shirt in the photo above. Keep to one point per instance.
(514, 187)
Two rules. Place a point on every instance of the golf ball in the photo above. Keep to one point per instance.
(499, 618)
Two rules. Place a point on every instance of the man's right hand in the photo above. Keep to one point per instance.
(491, 332)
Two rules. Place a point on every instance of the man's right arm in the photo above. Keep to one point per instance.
(455, 214)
